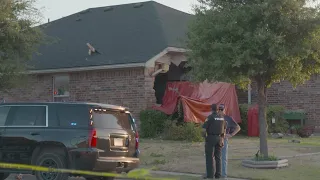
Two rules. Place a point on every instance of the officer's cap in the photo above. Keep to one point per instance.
(221, 107)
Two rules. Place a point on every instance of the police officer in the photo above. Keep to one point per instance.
(232, 129)
(214, 130)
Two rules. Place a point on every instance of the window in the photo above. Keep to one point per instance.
(27, 116)
(112, 119)
(4, 110)
(72, 115)
(61, 87)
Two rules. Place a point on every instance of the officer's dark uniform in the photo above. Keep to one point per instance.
(215, 127)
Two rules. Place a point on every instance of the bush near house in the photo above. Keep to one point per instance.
(152, 123)
(183, 132)
(244, 117)
(155, 123)
(276, 111)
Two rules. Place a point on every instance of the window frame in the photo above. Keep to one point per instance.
(54, 86)
(47, 115)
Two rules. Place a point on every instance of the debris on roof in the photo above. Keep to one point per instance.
(91, 49)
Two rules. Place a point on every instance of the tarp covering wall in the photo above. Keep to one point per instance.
(196, 100)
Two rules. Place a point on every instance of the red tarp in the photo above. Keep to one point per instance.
(196, 100)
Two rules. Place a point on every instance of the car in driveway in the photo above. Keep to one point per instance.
(81, 136)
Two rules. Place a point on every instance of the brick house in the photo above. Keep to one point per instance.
(123, 41)
(304, 97)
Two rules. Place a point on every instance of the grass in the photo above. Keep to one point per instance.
(176, 177)
(189, 157)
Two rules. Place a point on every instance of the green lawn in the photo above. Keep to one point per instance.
(189, 157)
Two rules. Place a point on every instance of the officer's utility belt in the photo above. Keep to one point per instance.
(215, 134)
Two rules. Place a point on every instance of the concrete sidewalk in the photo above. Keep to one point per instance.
(185, 174)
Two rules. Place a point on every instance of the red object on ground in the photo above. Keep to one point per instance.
(196, 100)
(253, 122)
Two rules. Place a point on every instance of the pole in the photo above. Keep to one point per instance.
(249, 94)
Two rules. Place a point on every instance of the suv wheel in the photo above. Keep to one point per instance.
(4, 176)
(51, 160)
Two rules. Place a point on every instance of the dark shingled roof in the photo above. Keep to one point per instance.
(129, 33)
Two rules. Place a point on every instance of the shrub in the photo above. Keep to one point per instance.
(152, 123)
(280, 126)
(244, 117)
(183, 132)
(302, 132)
(262, 158)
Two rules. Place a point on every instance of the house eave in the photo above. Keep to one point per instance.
(107, 67)
(90, 68)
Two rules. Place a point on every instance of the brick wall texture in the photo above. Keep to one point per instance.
(133, 88)
(306, 97)
(127, 87)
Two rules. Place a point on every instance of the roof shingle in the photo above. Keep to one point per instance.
(122, 34)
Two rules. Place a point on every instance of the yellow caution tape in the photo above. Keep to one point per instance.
(134, 174)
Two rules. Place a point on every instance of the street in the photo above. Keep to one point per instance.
(30, 177)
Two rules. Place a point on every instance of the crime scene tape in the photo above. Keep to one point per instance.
(142, 174)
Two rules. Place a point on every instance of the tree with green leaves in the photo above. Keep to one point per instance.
(262, 41)
(18, 39)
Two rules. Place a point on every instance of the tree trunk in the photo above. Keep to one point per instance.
(262, 103)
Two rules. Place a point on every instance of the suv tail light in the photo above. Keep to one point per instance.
(93, 133)
(93, 138)
(137, 140)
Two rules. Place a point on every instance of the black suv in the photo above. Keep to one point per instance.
(81, 136)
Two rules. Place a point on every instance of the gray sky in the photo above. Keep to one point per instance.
(55, 9)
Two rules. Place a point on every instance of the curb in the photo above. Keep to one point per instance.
(286, 146)
(301, 155)
(285, 157)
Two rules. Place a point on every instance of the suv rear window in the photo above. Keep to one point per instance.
(112, 119)
(132, 121)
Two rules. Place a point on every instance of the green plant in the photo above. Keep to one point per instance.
(301, 132)
(281, 125)
(244, 118)
(183, 132)
(152, 123)
(262, 158)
